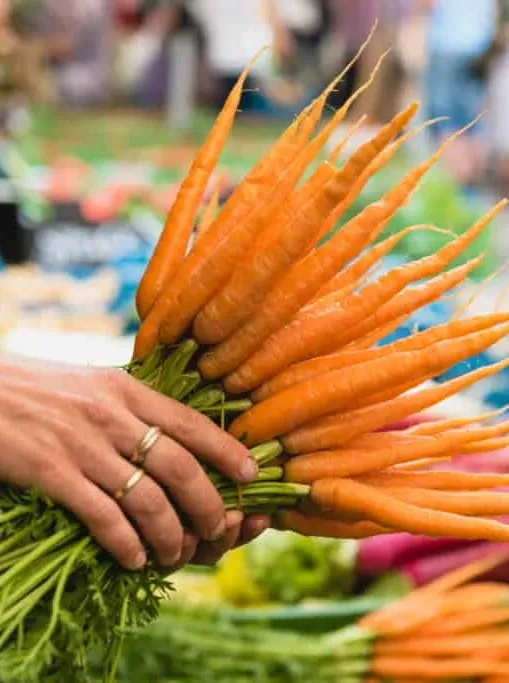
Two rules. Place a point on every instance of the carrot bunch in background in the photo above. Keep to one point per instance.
(450, 631)
(275, 335)
(446, 631)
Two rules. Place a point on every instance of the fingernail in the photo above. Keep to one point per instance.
(233, 518)
(248, 470)
(139, 561)
(218, 531)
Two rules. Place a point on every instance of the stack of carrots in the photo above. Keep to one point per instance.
(445, 631)
(274, 333)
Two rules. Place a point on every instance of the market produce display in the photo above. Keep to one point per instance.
(446, 630)
(225, 326)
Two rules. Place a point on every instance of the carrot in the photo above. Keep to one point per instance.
(335, 495)
(325, 171)
(316, 366)
(306, 278)
(438, 426)
(426, 603)
(307, 525)
(471, 621)
(484, 446)
(450, 646)
(331, 393)
(398, 309)
(367, 340)
(366, 261)
(173, 243)
(206, 270)
(209, 213)
(440, 479)
(378, 163)
(468, 504)
(327, 330)
(285, 240)
(338, 429)
(347, 462)
(428, 668)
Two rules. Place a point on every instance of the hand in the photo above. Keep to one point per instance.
(70, 433)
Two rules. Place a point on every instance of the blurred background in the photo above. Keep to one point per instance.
(103, 103)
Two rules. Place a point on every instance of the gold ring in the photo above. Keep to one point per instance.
(134, 479)
(145, 446)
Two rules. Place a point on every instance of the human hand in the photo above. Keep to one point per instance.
(70, 432)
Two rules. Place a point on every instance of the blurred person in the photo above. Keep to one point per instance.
(23, 69)
(351, 23)
(461, 34)
(234, 31)
(498, 101)
(298, 28)
(74, 37)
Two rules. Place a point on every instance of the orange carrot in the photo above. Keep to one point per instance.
(209, 213)
(316, 366)
(485, 446)
(174, 240)
(450, 646)
(466, 503)
(396, 667)
(333, 392)
(440, 479)
(285, 240)
(347, 462)
(307, 525)
(366, 261)
(438, 426)
(320, 331)
(366, 341)
(335, 495)
(207, 269)
(325, 171)
(378, 163)
(306, 277)
(471, 621)
(339, 429)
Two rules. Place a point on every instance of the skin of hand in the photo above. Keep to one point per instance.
(70, 432)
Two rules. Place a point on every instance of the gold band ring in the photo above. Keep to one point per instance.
(134, 479)
(146, 444)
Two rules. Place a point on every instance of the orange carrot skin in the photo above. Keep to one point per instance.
(173, 243)
(331, 393)
(204, 273)
(334, 495)
(284, 241)
(469, 504)
(439, 479)
(307, 525)
(395, 667)
(349, 462)
(200, 274)
(316, 366)
(320, 332)
(338, 429)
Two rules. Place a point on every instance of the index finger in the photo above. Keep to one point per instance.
(193, 431)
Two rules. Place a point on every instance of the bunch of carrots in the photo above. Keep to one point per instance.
(282, 330)
(273, 333)
(446, 631)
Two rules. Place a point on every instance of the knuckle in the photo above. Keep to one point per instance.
(113, 381)
(187, 423)
(100, 411)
